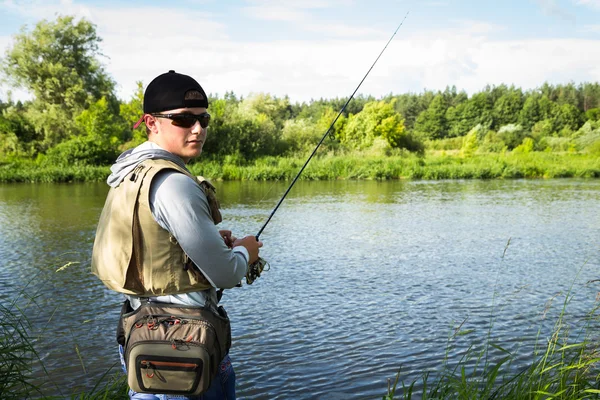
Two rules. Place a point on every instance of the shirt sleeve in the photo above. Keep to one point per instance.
(179, 205)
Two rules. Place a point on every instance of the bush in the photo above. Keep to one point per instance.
(492, 143)
(556, 143)
(454, 143)
(526, 147)
(84, 150)
(512, 135)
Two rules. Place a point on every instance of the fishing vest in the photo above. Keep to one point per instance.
(132, 253)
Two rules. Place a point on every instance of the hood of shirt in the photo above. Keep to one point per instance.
(130, 159)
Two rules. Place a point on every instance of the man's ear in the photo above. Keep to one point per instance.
(151, 123)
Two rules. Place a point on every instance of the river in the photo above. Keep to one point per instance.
(365, 278)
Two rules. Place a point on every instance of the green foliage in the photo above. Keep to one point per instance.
(378, 119)
(130, 113)
(74, 106)
(568, 116)
(530, 114)
(102, 132)
(300, 135)
(57, 63)
(542, 129)
(244, 129)
(432, 123)
(507, 107)
(82, 150)
(275, 109)
(593, 114)
(409, 106)
(527, 146)
(512, 135)
(469, 143)
(492, 143)
(101, 123)
(401, 165)
(17, 135)
(453, 143)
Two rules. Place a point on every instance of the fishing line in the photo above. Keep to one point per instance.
(328, 132)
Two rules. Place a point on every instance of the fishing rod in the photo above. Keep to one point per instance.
(256, 268)
(328, 132)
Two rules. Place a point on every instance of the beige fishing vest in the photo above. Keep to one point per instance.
(132, 253)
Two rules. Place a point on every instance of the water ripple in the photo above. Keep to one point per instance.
(366, 278)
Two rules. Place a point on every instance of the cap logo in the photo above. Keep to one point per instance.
(193, 95)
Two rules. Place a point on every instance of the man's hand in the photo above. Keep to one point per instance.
(227, 237)
(251, 244)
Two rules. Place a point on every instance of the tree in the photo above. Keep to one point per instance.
(512, 135)
(507, 108)
(568, 94)
(530, 113)
(240, 129)
(590, 93)
(275, 109)
(568, 116)
(99, 122)
(130, 113)
(378, 119)
(432, 123)
(409, 107)
(57, 62)
(300, 135)
(17, 136)
(593, 114)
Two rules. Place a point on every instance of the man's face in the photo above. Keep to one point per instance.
(183, 142)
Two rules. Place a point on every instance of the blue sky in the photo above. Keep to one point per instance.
(311, 49)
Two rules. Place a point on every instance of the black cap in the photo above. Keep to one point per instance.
(172, 90)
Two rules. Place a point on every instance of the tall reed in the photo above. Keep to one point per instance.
(565, 366)
(18, 357)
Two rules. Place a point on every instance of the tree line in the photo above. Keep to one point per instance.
(75, 116)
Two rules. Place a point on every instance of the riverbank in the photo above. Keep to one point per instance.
(432, 166)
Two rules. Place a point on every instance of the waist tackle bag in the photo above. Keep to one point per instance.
(174, 349)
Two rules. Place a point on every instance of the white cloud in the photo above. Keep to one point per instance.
(550, 7)
(299, 13)
(287, 10)
(589, 3)
(295, 4)
(590, 29)
(139, 48)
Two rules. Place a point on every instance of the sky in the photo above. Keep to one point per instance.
(311, 49)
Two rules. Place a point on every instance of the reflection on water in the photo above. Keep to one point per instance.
(366, 277)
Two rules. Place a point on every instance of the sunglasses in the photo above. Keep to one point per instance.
(186, 120)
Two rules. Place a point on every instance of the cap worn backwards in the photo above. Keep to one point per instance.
(170, 91)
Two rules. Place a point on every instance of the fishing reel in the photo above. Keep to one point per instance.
(255, 269)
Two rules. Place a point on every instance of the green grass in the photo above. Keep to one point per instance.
(18, 357)
(410, 166)
(433, 166)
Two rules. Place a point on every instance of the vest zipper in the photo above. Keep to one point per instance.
(136, 172)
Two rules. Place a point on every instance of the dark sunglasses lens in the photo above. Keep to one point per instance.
(204, 120)
(187, 121)
(183, 121)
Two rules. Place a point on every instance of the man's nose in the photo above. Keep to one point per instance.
(197, 128)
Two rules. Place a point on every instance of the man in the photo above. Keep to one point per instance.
(156, 239)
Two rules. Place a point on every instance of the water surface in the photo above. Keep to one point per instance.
(366, 277)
